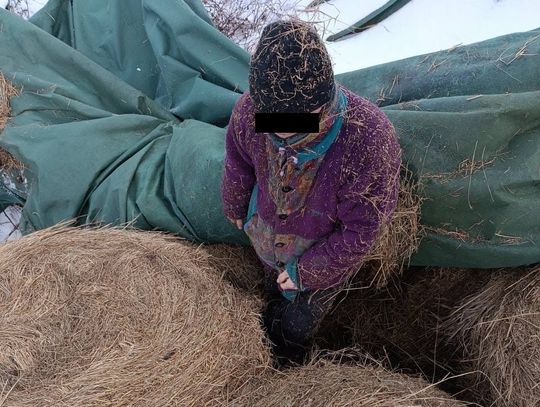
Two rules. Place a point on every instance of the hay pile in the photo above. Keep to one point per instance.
(401, 322)
(498, 330)
(109, 317)
(123, 318)
(325, 384)
(398, 239)
(7, 90)
(478, 330)
(238, 265)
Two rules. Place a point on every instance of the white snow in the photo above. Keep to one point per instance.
(10, 218)
(419, 27)
(33, 5)
(9, 221)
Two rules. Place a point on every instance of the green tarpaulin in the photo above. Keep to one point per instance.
(121, 119)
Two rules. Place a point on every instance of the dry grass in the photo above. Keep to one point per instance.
(8, 162)
(465, 236)
(243, 20)
(498, 330)
(123, 318)
(467, 167)
(401, 321)
(325, 384)
(112, 317)
(398, 239)
(238, 265)
(19, 7)
(7, 90)
(478, 330)
(521, 52)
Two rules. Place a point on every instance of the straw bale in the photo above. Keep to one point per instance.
(401, 321)
(478, 330)
(239, 265)
(113, 317)
(326, 384)
(498, 331)
(7, 90)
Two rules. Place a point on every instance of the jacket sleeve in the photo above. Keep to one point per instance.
(238, 174)
(366, 200)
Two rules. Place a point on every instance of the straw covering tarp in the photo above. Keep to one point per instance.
(121, 119)
(9, 166)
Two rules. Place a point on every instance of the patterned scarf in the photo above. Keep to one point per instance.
(286, 172)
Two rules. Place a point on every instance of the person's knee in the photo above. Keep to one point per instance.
(295, 322)
(298, 334)
(299, 325)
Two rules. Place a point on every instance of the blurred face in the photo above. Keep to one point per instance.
(287, 135)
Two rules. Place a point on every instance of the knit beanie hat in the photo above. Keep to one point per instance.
(290, 71)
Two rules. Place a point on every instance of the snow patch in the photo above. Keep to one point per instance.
(420, 27)
(9, 223)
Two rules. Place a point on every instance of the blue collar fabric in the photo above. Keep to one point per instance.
(340, 104)
(322, 147)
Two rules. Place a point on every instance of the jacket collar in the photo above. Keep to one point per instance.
(303, 141)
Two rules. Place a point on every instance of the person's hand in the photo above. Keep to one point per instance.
(285, 281)
(238, 222)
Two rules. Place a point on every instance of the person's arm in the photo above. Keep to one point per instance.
(365, 201)
(238, 175)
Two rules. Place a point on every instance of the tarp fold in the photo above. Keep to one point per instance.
(123, 107)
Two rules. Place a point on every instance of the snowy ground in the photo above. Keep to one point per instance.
(419, 27)
(33, 5)
(9, 220)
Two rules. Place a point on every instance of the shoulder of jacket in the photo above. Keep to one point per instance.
(369, 132)
(238, 112)
(362, 113)
(244, 103)
(243, 121)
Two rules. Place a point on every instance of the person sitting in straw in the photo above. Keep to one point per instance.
(311, 202)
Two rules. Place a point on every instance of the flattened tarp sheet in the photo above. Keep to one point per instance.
(121, 117)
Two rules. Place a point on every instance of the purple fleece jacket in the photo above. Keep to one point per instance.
(355, 189)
